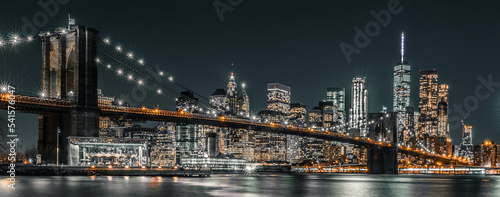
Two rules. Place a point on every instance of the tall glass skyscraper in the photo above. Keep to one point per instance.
(337, 96)
(401, 92)
(401, 88)
(358, 114)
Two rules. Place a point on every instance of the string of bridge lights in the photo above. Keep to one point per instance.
(130, 55)
(139, 73)
(130, 77)
(16, 40)
(140, 82)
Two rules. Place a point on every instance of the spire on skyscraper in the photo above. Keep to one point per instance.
(402, 46)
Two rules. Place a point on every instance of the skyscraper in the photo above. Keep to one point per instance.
(268, 146)
(443, 126)
(232, 96)
(466, 147)
(295, 143)
(337, 96)
(243, 103)
(428, 119)
(278, 100)
(401, 92)
(186, 137)
(358, 114)
(401, 98)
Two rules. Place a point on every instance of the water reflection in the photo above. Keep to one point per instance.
(261, 185)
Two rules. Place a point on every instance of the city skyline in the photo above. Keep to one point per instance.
(245, 69)
(258, 98)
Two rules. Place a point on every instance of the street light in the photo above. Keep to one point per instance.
(58, 132)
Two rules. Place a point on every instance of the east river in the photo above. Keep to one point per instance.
(256, 185)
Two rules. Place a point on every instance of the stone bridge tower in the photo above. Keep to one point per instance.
(69, 72)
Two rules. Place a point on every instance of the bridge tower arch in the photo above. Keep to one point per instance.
(69, 71)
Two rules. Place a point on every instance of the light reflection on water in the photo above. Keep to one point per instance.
(260, 185)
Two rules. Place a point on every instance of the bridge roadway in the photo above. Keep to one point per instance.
(36, 105)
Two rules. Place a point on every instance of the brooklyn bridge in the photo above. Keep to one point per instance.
(69, 102)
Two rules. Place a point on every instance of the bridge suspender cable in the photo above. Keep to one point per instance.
(150, 79)
(107, 42)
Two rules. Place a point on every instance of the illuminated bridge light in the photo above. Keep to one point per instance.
(109, 66)
(130, 55)
(130, 77)
(159, 91)
(160, 73)
(119, 48)
(140, 82)
(107, 41)
(141, 61)
(171, 78)
(119, 71)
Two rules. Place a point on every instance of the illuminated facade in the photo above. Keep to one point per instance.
(270, 146)
(187, 102)
(232, 96)
(401, 87)
(329, 114)
(243, 104)
(315, 118)
(358, 114)
(295, 143)
(219, 162)
(411, 118)
(337, 96)
(487, 154)
(443, 126)
(428, 120)
(466, 147)
(218, 101)
(186, 138)
(163, 145)
(298, 115)
(86, 151)
(312, 148)
(240, 143)
(278, 100)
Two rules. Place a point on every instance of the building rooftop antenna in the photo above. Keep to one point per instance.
(402, 46)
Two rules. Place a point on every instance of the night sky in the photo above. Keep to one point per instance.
(295, 43)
